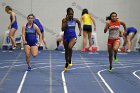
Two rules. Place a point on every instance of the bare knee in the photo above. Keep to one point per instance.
(35, 54)
(128, 40)
(115, 48)
(89, 38)
(84, 35)
(10, 36)
(70, 47)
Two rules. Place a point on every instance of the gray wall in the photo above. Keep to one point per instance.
(51, 13)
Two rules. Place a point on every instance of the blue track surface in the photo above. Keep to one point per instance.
(88, 74)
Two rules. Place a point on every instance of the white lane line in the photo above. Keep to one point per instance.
(64, 82)
(4, 51)
(24, 77)
(2, 67)
(93, 53)
(63, 77)
(41, 66)
(122, 53)
(103, 80)
(93, 74)
(134, 73)
(50, 73)
(11, 60)
(106, 84)
(22, 82)
(9, 70)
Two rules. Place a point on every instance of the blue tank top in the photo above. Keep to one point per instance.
(70, 29)
(30, 34)
(37, 22)
(14, 25)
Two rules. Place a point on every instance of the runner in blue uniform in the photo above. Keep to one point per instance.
(68, 26)
(13, 25)
(29, 37)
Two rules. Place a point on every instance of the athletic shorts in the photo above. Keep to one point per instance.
(112, 41)
(131, 33)
(41, 30)
(14, 25)
(68, 39)
(131, 30)
(87, 28)
(31, 44)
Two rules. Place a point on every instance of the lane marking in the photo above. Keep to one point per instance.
(40, 67)
(50, 73)
(24, 77)
(22, 82)
(122, 53)
(93, 74)
(103, 80)
(106, 84)
(64, 82)
(9, 70)
(63, 77)
(94, 53)
(69, 69)
(63, 73)
(76, 63)
(134, 73)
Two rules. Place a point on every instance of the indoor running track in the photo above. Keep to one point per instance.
(89, 73)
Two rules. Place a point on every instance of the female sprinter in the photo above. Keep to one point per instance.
(68, 26)
(13, 25)
(113, 24)
(87, 19)
(29, 37)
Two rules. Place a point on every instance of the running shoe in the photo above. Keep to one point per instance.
(29, 68)
(70, 63)
(66, 67)
(116, 59)
(128, 51)
(110, 69)
(14, 48)
(84, 50)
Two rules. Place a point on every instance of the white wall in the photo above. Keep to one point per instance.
(51, 13)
